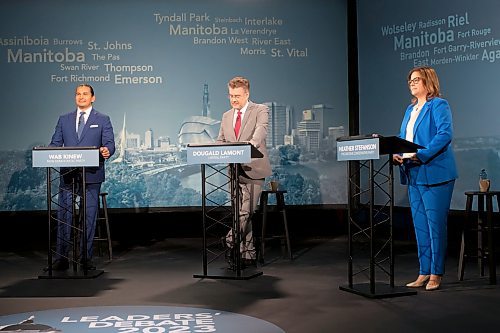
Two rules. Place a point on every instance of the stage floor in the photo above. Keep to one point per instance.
(302, 295)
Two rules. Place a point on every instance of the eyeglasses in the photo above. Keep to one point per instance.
(235, 96)
(414, 80)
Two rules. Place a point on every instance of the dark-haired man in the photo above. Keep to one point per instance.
(84, 127)
(246, 122)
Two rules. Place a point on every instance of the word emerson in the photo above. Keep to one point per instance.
(65, 156)
(371, 146)
(231, 152)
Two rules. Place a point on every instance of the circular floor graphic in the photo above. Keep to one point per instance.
(140, 319)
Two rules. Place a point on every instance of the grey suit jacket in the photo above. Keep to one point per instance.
(253, 130)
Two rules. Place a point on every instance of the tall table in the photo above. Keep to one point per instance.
(370, 211)
(58, 161)
(219, 179)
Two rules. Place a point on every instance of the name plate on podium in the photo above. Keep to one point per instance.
(364, 149)
(53, 157)
(219, 153)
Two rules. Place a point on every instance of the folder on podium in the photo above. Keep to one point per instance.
(220, 174)
(370, 222)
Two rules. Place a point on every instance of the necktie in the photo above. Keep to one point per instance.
(81, 124)
(237, 124)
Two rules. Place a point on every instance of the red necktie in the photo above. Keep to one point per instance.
(237, 124)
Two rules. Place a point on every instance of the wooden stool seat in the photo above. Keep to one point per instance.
(281, 208)
(484, 227)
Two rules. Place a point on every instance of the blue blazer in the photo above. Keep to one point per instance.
(97, 132)
(433, 130)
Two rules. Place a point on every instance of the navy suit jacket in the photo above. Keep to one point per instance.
(434, 130)
(97, 132)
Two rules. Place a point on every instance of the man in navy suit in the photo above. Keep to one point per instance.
(84, 127)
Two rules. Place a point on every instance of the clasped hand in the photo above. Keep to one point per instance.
(104, 152)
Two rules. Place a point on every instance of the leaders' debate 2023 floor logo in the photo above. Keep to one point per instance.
(141, 319)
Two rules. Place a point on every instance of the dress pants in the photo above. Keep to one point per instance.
(65, 217)
(429, 206)
(249, 197)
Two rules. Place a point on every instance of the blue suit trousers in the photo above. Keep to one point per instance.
(429, 206)
(65, 217)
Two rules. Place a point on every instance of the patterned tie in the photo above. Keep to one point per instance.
(237, 124)
(81, 124)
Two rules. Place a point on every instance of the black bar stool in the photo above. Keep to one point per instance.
(484, 227)
(102, 222)
(281, 208)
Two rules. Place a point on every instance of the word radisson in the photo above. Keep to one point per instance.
(238, 152)
(45, 56)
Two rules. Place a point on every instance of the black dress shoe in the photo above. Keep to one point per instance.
(223, 244)
(88, 265)
(60, 264)
(248, 262)
(228, 256)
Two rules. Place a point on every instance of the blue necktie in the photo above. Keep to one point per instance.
(81, 124)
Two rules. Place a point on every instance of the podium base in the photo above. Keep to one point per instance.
(70, 274)
(382, 290)
(229, 274)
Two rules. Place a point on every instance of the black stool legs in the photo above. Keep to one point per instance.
(280, 206)
(484, 226)
(103, 218)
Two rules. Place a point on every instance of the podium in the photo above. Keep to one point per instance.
(59, 162)
(370, 212)
(220, 180)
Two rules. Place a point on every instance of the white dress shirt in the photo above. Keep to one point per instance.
(410, 127)
(85, 116)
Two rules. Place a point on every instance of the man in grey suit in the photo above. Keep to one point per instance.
(246, 122)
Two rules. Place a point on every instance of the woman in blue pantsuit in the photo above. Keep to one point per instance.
(430, 173)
